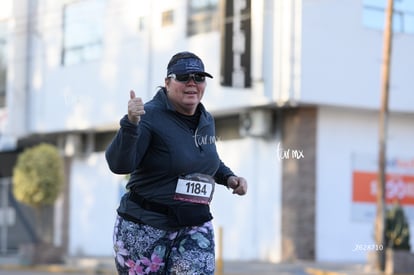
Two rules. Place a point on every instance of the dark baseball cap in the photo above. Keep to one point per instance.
(186, 63)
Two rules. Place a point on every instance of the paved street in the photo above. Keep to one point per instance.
(105, 266)
(229, 269)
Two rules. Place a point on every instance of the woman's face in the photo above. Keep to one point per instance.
(185, 96)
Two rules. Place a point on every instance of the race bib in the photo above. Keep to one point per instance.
(196, 188)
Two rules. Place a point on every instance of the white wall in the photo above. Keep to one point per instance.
(251, 223)
(343, 133)
(94, 196)
(341, 59)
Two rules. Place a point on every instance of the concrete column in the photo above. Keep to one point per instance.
(19, 68)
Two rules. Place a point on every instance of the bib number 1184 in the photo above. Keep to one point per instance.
(193, 191)
(196, 188)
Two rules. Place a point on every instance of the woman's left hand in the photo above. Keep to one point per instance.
(238, 184)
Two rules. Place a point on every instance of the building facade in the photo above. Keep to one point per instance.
(295, 95)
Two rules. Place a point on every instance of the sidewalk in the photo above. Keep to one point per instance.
(78, 266)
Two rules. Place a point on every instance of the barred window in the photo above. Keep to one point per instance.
(203, 16)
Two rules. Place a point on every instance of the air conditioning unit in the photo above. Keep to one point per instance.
(256, 123)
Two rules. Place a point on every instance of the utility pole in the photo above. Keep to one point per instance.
(383, 123)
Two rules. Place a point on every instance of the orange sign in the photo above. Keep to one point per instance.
(398, 186)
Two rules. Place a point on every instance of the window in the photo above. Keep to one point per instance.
(3, 65)
(167, 18)
(82, 31)
(235, 63)
(403, 17)
(203, 16)
(142, 23)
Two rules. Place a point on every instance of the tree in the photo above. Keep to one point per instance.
(38, 179)
(397, 229)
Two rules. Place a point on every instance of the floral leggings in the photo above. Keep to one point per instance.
(143, 249)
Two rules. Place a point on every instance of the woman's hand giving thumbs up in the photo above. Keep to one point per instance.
(135, 108)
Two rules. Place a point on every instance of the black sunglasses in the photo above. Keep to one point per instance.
(184, 78)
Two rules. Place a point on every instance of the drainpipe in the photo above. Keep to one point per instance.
(31, 15)
(150, 48)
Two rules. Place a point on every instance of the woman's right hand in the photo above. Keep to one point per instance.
(135, 108)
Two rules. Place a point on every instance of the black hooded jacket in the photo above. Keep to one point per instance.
(159, 150)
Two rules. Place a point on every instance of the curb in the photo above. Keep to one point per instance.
(56, 268)
(315, 271)
(86, 267)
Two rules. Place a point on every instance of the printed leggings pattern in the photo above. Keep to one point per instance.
(142, 249)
